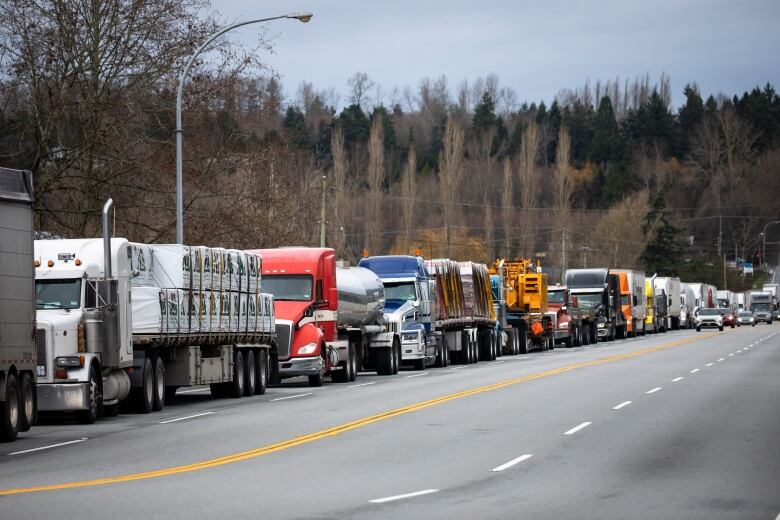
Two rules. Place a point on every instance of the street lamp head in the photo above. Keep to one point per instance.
(303, 17)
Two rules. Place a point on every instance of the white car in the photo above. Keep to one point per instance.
(708, 318)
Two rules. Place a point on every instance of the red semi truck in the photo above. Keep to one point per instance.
(329, 319)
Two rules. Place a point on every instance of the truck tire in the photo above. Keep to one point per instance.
(316, 380)
(522, 341)
(397, 355)
(9, 422)
(384, 360)
(90, 415)
(250, 374)
(441, 358)
(345, 375)
(142, 397)
(262, 372)
(159, 384)
(485, 346)
(569, 341)
(237, 385)
(26, 402)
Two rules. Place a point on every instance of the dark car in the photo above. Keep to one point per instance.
(746, 318)
(729, 318)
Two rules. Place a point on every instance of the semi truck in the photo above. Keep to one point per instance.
(529, 323)
(774, 288)
(687, 306)
(761, 306)
(408, 289)
(572, 323)
(726, 300)
(668, 289)
(18, 339)
(705, 295)
(330, 319)
(463, 315)
(126, 322)
(632, 302)
(600, 289)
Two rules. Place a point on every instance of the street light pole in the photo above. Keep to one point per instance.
(763, 254)
(303, 17)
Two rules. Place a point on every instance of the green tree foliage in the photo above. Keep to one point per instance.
(689, 118)
(653, 124)
(356, 125)
(484, 115)
(663, 252)
(295, 128)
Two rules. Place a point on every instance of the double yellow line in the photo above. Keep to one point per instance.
(337, 430)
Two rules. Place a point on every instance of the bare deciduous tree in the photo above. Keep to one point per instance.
(408, 194)
(376, 179)
(450, 174)
(563, 188)
(529, 183)
(340, 186)
(507, 207)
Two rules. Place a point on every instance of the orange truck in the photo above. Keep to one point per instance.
(632, 302)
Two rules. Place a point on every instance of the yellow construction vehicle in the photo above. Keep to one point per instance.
(525, 317)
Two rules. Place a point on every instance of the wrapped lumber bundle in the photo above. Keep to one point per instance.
(477, 296)
(449, 287)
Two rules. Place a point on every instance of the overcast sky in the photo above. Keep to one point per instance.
(537, 48)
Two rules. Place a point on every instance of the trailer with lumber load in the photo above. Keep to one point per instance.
(462, 311)
(119, 319)
(529, 324)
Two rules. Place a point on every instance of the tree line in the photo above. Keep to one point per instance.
(608, 173)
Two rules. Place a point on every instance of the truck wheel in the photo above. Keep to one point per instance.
(522, 341)
(384, 361)
(26, 403)
(237, 385)
(90, 415)
(9, 427)
(345, 375)
(551, 343)
(493, 345)
(316, 380)
(142, 397)
(398, 358)
(569, 342)
(262, 372)
(159, 384)
(250, 374)
(441, 347)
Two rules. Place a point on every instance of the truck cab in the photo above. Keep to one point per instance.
(600, 290)
(408, 288)
(80, 355)
(563, 307)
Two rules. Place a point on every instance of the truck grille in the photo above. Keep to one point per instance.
(283, 337)
(40, 340)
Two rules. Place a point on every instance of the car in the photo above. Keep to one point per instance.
(729, 319)
(746, 318)
(776, 314)
(708, 318)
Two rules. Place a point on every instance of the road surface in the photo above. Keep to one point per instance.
(677, 425)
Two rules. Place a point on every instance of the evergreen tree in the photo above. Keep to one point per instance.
(355, 123)
(689, 118)
(663, 252)
(295, 127)
(484, 114)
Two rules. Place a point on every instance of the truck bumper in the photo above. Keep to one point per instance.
(62, 397)
(602, 332)
(308, 366)
(561, 334)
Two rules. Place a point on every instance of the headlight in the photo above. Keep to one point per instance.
(563, 325)
(601, 325)
(308, 348)
(69, 361)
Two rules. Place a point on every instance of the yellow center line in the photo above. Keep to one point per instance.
(342, 428)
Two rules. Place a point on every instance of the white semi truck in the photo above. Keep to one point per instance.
(118, 320)
(672, 288)
(17, 310)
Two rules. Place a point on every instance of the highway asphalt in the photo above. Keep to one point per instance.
(677, 425)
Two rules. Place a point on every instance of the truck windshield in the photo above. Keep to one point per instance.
(760, 307)
(555, 296)
(288, 287)
(589, 300)
(400, 291)
(58, 294)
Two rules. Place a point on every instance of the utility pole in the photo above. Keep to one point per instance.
(724, 272)
(322, 211)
